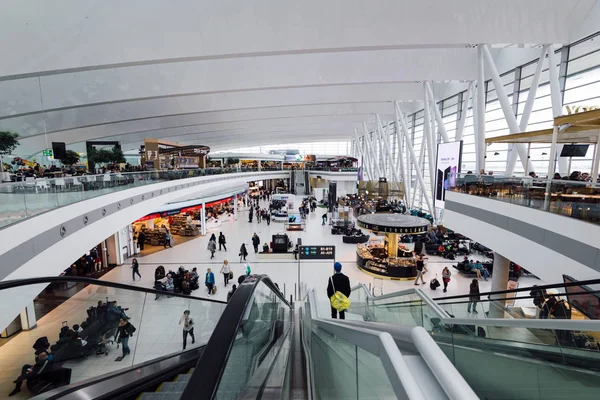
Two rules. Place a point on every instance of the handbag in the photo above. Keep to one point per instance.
(230, 275)
(339, 301)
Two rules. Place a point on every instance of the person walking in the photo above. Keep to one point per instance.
(243, 252)
(212, 247)
(338, 283)
(188, 327)
(141, 240)
(324, 219)
(135, 267)
(222, 241)
(255, 242)
(446, 274)
(167, 238)
(226, 270)
(420, 266)
(248, 270)
(209, 281)
(268, 218)
(473, 296)
(250, 214)
(231, 292)
(124, 332)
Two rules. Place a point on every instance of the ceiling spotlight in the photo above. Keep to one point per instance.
(496, 154)
(544, 154)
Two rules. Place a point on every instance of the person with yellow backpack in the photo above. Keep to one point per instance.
(338, 291)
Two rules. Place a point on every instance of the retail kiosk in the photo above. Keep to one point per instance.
(387, 257)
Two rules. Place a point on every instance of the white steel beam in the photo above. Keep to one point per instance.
(437, 113)
(428, 136)
(512, 155)
(411, 150)
(480, 109)
(360, 152)
(406, 181)
(372, 151)
(507, 110)
(556, 97)
(463, 115)
(388, 149)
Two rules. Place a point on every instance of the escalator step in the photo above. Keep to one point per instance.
(183, 378)
(172, 387)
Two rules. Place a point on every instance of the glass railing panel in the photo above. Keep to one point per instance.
(265, 320)
(24, 199)
(575, 199)
(81, 323)
(373, 381)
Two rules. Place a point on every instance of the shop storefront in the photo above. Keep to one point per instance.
(386, 256)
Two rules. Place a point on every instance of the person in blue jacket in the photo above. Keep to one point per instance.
(209, 281)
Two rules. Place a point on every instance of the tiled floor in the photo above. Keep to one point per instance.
(156, 320)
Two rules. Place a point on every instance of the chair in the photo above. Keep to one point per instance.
(60, 183)
(41, 184)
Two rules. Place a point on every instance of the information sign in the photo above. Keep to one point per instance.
(317, 252)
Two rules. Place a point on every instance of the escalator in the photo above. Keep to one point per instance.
(257, 346)
(507, 357)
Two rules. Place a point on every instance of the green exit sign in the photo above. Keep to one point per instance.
(47, 153)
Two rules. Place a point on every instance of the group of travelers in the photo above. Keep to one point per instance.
(182, 281)
(478, 268)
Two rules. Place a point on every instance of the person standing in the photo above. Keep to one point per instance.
(212, 247)
(231, 292)
(167, 238)
(268, 218)
(420, 266)
(248, 270)
(255, 242)
(338, 283)
(473, 295)
(135, 267)
(243, 252)
(324, 219)
(141, 240)
(222, 241)
(226, 270)
(446, 274)
(209, 281)
(124, 332)
(188, 327)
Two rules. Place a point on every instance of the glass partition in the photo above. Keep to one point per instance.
(81, 329)
(575, 199)
(265, 321)
(29, 197)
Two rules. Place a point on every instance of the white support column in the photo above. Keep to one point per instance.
(507, 110)
(411, 150)
(464, 112)
(203, 219)
(420, 167)
(406, 181)
(378, 137)
(437, 113)
(259, 166)
(372, 151)
(551, 168)
(428, 135)
(388, 150)
(512, 156)
(480, 109)
(596, 163)
(499, 283)
(361, 155)
(556, 98)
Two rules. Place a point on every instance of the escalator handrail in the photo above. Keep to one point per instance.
(205, 379)
(4, 285)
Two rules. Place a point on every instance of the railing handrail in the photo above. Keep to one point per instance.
(10, 284)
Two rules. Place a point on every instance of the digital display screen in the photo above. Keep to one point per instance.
(585, 302)
(317, 252)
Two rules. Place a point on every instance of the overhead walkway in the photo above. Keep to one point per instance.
(257, 346)
(499, 358)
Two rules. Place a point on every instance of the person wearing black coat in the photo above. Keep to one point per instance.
(255, 242)
(473, 296)
(338, 283)
(222, 241)
(243, 252)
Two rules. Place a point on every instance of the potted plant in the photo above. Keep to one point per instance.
(8, 142)
(71, 157)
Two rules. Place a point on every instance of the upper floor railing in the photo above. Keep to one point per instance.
(575, 199)
(33, 196)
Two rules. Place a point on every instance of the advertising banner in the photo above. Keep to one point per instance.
(448, 162)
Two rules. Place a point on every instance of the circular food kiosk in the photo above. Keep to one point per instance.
(389, 258)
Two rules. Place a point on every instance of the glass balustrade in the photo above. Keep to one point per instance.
(22, 200)
(81, 321)
(575, 199)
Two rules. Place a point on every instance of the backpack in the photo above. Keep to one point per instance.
(339, 301)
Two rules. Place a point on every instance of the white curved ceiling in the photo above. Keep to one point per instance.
(227, 73)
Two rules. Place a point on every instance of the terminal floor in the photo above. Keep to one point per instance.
(158, 332)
